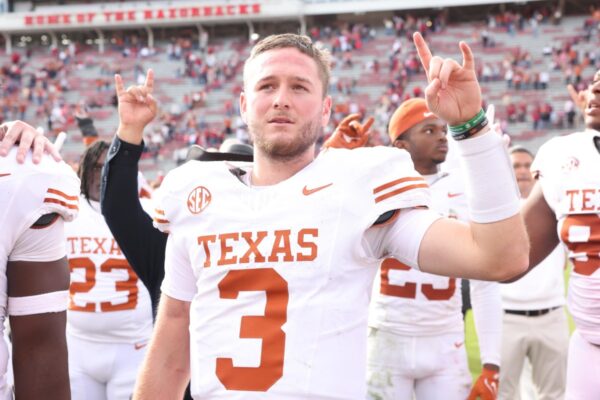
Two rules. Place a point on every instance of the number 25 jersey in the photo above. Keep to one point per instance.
(279, 277)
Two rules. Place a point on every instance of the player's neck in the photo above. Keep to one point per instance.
(270, 171)
(429, 169)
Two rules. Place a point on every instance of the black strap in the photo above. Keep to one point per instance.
(201, 154)
(45, 221)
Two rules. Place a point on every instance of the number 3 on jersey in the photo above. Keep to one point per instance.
(129, 285)
(409, 289)
(266, 327)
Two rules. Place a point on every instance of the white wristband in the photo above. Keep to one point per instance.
(492, 191)
(38, 304)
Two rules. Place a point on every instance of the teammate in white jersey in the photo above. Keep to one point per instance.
(565, 205)
(268, 277)
(416, 335)
(535, 324)
(109, 319)
(35, 200)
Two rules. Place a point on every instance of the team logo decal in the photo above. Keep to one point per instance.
(571, 164)
(198, 199)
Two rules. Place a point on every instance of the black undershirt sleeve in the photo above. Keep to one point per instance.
(142, 244)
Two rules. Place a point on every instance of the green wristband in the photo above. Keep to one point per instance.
(469, 124)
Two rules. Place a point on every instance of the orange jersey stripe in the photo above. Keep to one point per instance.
(59, 193)
(161, 221)
(397, 182)
(62, 203)
(401, 190)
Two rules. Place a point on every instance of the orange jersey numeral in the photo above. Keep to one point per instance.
(129, 285)
(409, 289)
(585, 251)
(266, 327)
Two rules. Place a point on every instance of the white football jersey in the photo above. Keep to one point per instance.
(568, 168)
(414, 303)
(107, 301)
(280, 277)
(28, 191)
(410, 302)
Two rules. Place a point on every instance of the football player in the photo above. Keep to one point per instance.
(269, 265)
(35, 201)
(416, 336)
(109, 319)
(565, 205)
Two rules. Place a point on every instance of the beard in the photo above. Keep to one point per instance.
(290, 145)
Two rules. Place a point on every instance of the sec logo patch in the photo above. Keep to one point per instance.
(198, 199)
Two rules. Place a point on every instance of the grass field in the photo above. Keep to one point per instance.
(472, 345)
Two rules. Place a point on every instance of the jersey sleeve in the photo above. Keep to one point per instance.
(167, 200)
(62, 190)
(393, 183)
(402, 237)
(179, 281)
(41, 244)
(380, 179)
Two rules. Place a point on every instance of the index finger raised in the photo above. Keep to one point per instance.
(368, 124)
(149, 84)
(423, 51)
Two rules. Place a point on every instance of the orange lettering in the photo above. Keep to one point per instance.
(72, 240)
(281, 245)
(585, 203)
(312, 246)
(115, 250)
(204, 240)
(253, 247)
(99, 245)
(84, 245)
(571, 194)
(227, 249)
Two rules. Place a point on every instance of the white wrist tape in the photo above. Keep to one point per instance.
(38, 304)
(492, 191)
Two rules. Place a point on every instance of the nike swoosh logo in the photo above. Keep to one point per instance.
(451, 195)
(138, 346)
(3, 175)
(307, 192)
(458, 344)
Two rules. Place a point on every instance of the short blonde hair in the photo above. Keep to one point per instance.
(299, 42)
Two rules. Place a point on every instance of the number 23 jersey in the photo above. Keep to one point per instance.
(280, 277)
(568, 168)
(107, 301)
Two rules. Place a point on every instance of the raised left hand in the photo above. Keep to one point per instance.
(350, 133)
(453, 93)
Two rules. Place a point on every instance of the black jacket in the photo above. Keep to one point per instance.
(142, 244)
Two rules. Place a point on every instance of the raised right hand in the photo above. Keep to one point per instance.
(137, 108)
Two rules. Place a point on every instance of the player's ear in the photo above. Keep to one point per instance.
(326, 112)
(243, 107)
(401, 144)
